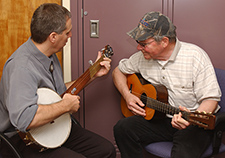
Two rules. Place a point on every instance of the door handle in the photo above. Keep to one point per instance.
(94, 28)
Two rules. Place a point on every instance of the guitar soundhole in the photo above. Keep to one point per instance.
(144, 98)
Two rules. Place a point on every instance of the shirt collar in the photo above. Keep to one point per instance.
(175, 51)
(43, 59)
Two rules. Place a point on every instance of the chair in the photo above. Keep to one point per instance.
(163, 149)
(4, 138)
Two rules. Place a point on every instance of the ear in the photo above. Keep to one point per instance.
(165, 42)
(52, 37)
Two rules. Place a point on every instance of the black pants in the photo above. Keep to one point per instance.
(80, 144)
(133, 133)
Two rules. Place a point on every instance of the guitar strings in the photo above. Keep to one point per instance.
(156, 104)
(200, 119)
(92, 69)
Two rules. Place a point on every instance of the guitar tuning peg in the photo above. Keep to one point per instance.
(90, 62)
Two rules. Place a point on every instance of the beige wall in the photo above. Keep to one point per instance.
(67, 52)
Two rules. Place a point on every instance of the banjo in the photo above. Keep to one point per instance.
(55, 133)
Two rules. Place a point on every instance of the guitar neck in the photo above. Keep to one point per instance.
(204, 120)
(165, 108)
(84, 79)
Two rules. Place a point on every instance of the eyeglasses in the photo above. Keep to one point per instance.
(144, 44)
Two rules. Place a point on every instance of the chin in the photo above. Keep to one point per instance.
(60, 50)
(147, 57)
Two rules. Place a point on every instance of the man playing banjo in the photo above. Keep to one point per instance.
(35, 65)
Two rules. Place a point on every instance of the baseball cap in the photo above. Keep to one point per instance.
(151, 24)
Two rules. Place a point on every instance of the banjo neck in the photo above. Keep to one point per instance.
(89, 74)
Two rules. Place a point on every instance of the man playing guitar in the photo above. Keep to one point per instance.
(187, 73)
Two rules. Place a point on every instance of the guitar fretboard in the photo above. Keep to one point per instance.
(162, 107)
(83, 80)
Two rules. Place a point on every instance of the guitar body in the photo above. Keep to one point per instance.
(55, 133)
(143, 89)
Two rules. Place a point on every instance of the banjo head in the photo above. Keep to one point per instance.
(55, 133)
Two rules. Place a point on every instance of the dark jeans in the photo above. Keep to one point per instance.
(133, 133)
(80, 144)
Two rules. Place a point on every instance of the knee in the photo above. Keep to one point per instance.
(118, 128)
(112, 151)
(123, 124)
(109, 150)
(121, 128)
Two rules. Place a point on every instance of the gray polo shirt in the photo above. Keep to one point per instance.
(24, 72)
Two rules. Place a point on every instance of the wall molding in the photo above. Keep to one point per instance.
(67, 52)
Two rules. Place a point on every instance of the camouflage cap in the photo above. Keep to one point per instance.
(152, 24)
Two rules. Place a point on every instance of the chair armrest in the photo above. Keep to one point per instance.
(10, 144)
(75, 120)
(218, 132)
(220, 118)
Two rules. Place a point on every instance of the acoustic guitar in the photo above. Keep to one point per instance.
(55, 133)
(155, 98)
